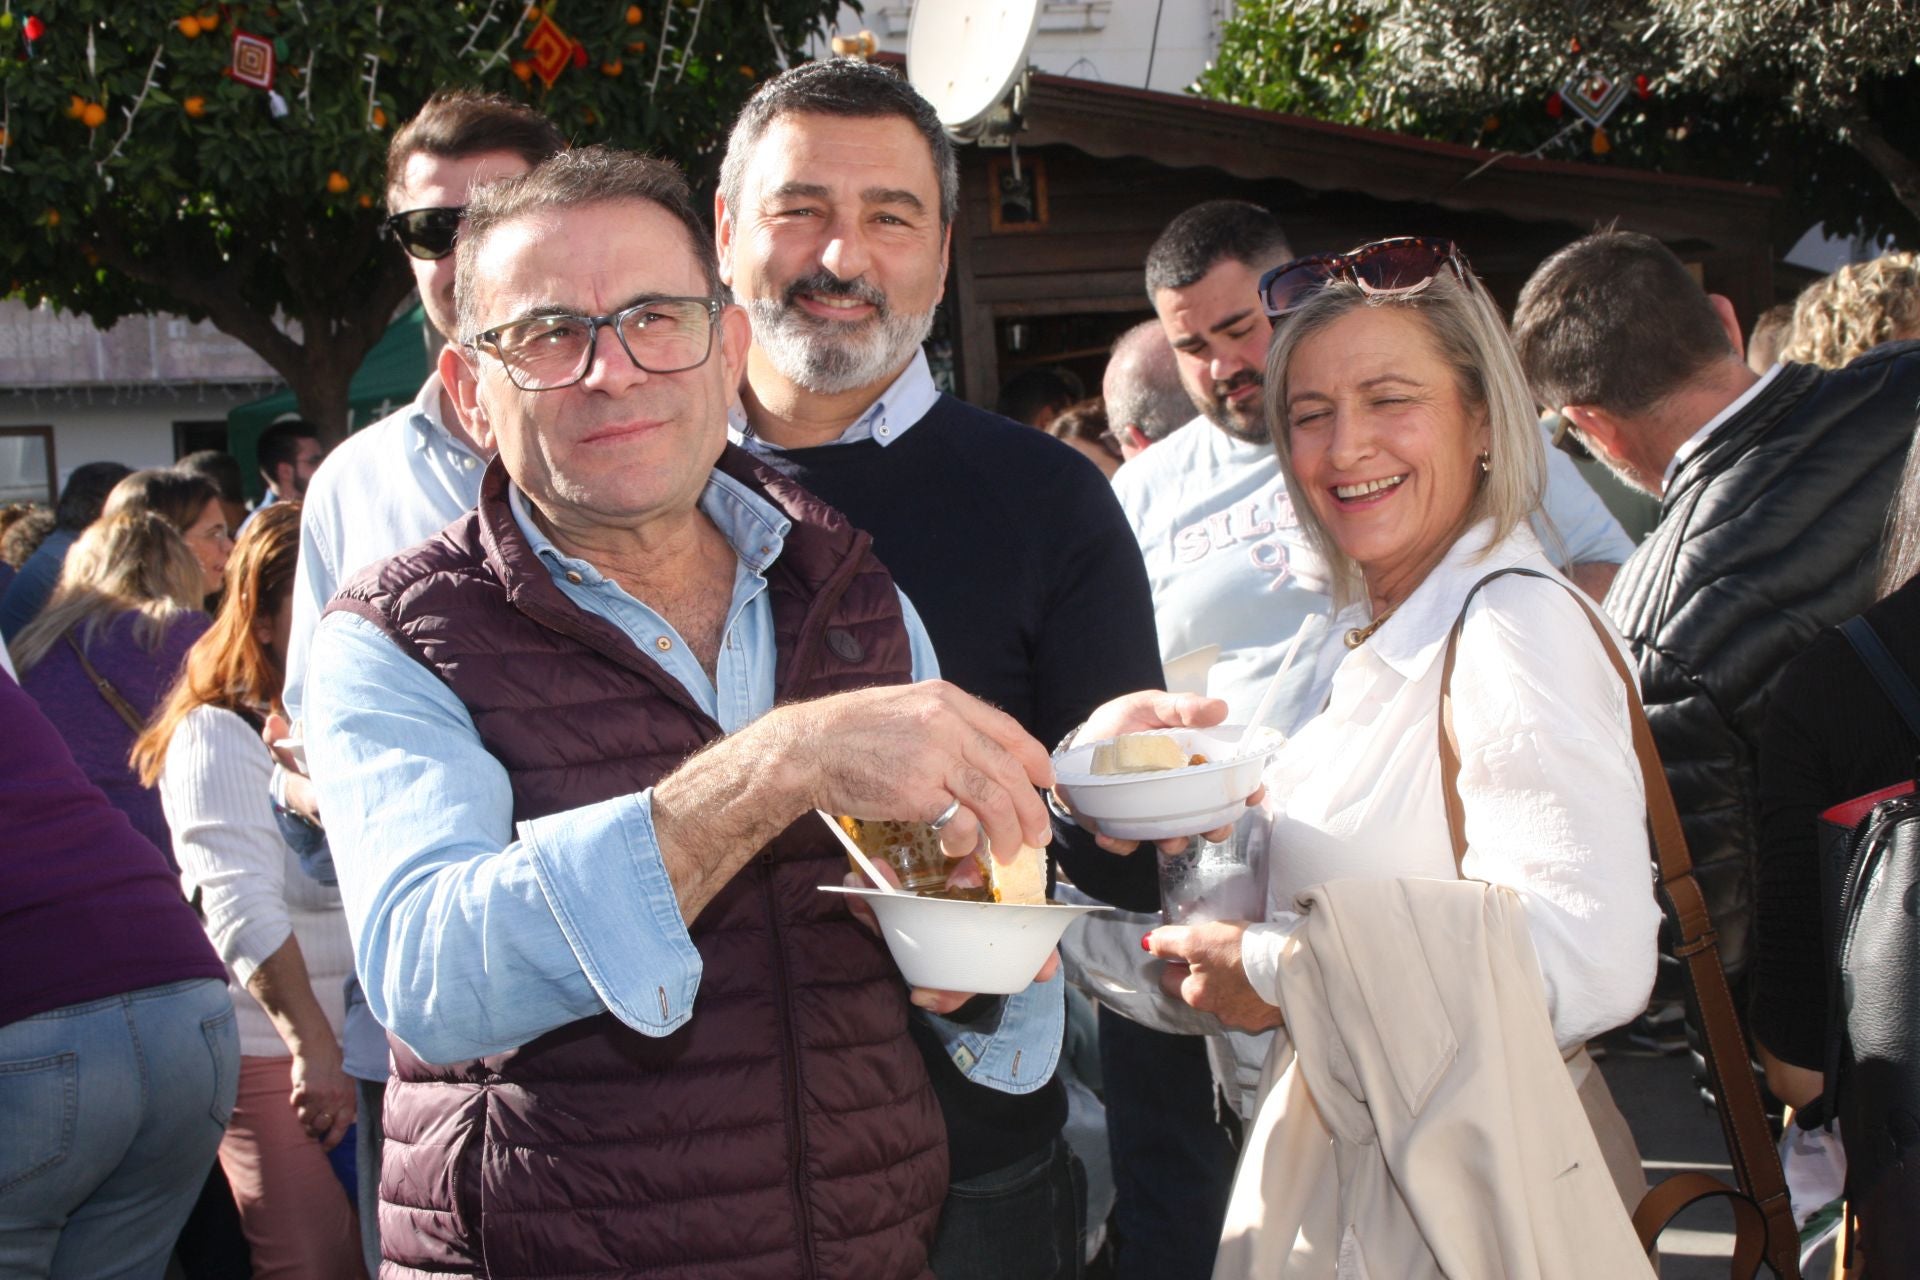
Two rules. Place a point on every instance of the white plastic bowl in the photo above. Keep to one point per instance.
(1172, 802)
(990, 948)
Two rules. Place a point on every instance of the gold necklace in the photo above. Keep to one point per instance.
(1360, 635)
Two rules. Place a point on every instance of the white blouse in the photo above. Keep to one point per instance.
(1554, 804)
(253, 892)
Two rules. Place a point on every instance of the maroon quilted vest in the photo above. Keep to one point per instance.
(787, 1129)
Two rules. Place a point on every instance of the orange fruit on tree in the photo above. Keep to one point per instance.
(747, 72)
(189, 26)
(94, 116)
(611, 68)
(76, 106)
(195, 107)
(53, 217)
(209, 20)
(379, 118)
(365, 201)
(638, 46)
(337, 183)
(3, 137)
(634, 15)
(523, 70)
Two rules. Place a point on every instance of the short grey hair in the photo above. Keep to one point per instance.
(1468, 333)
(1142, 383)
(846, 87)
(570, 180)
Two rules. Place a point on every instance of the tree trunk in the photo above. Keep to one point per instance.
(323, 402)
(1901, 170)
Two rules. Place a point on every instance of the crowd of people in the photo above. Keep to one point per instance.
(417, 874)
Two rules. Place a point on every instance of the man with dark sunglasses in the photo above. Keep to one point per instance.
(403, 478)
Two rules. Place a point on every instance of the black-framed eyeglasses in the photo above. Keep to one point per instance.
(546, 353)
(428, 234)
(1386, 268)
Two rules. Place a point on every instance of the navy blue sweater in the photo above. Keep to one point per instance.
(1017, 557)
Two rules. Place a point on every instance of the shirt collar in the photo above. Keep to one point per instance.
(907, 399)
(429, 428)
(1413, 636)
(752, 526)
(1698, 440)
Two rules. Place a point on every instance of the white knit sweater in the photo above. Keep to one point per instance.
(214, 791)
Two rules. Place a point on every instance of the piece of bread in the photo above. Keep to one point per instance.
(1022, 880)
(1138, 753)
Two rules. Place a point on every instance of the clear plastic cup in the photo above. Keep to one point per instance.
(1212, 880)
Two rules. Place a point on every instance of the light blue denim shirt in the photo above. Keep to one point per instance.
(475, 937)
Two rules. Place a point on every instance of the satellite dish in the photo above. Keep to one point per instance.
(967, 57)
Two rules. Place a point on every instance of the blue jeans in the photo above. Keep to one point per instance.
(110, 1114)
(1173, 1160)
(1023, 1222)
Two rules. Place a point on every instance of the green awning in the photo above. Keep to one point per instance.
(388, 378)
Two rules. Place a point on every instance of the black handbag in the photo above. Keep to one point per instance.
(1871, 896)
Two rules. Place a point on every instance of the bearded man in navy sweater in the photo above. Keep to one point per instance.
(834, 218)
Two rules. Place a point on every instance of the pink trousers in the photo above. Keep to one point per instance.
(298, 1220)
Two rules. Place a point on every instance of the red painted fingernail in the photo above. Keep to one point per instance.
(1146, 941)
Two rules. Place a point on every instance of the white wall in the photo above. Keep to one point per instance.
(1106, 40)
(105, 425)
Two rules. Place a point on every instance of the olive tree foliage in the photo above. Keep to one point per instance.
(1819, 97)
(140, 176)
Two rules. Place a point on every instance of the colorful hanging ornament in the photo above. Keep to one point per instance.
(253, 61)
(32, 30)
(1596, 95)
(1642, 87)
(552, 50)
(1601, 142)
(1556, 105)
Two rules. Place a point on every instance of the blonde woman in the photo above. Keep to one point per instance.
(282, 934)
(1856, 309)
(110, 641)
(1407, 435)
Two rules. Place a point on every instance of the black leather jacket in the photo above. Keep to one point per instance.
(1770, 532)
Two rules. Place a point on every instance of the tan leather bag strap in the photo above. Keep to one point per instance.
(1756, 1161)
(135, 721)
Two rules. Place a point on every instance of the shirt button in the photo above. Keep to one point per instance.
(663, 644)
(573, 576)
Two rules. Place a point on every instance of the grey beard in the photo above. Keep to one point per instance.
(813, 356)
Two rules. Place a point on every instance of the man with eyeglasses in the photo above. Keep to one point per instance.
(571, 748)
(835, 211)
(403, 478)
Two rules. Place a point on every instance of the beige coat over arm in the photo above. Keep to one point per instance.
(1417, 1117)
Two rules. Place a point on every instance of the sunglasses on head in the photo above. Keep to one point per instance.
(427, 233)
(1386, 268)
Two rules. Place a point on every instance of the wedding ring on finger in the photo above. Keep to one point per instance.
(946, 816)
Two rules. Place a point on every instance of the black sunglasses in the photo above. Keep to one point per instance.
(427, 234)
(1386, 268)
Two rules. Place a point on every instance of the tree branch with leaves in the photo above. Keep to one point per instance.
(141, 175)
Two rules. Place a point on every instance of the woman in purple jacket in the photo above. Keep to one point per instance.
(107, 646)
(118, 1055)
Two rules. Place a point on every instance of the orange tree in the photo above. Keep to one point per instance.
(143, 170)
